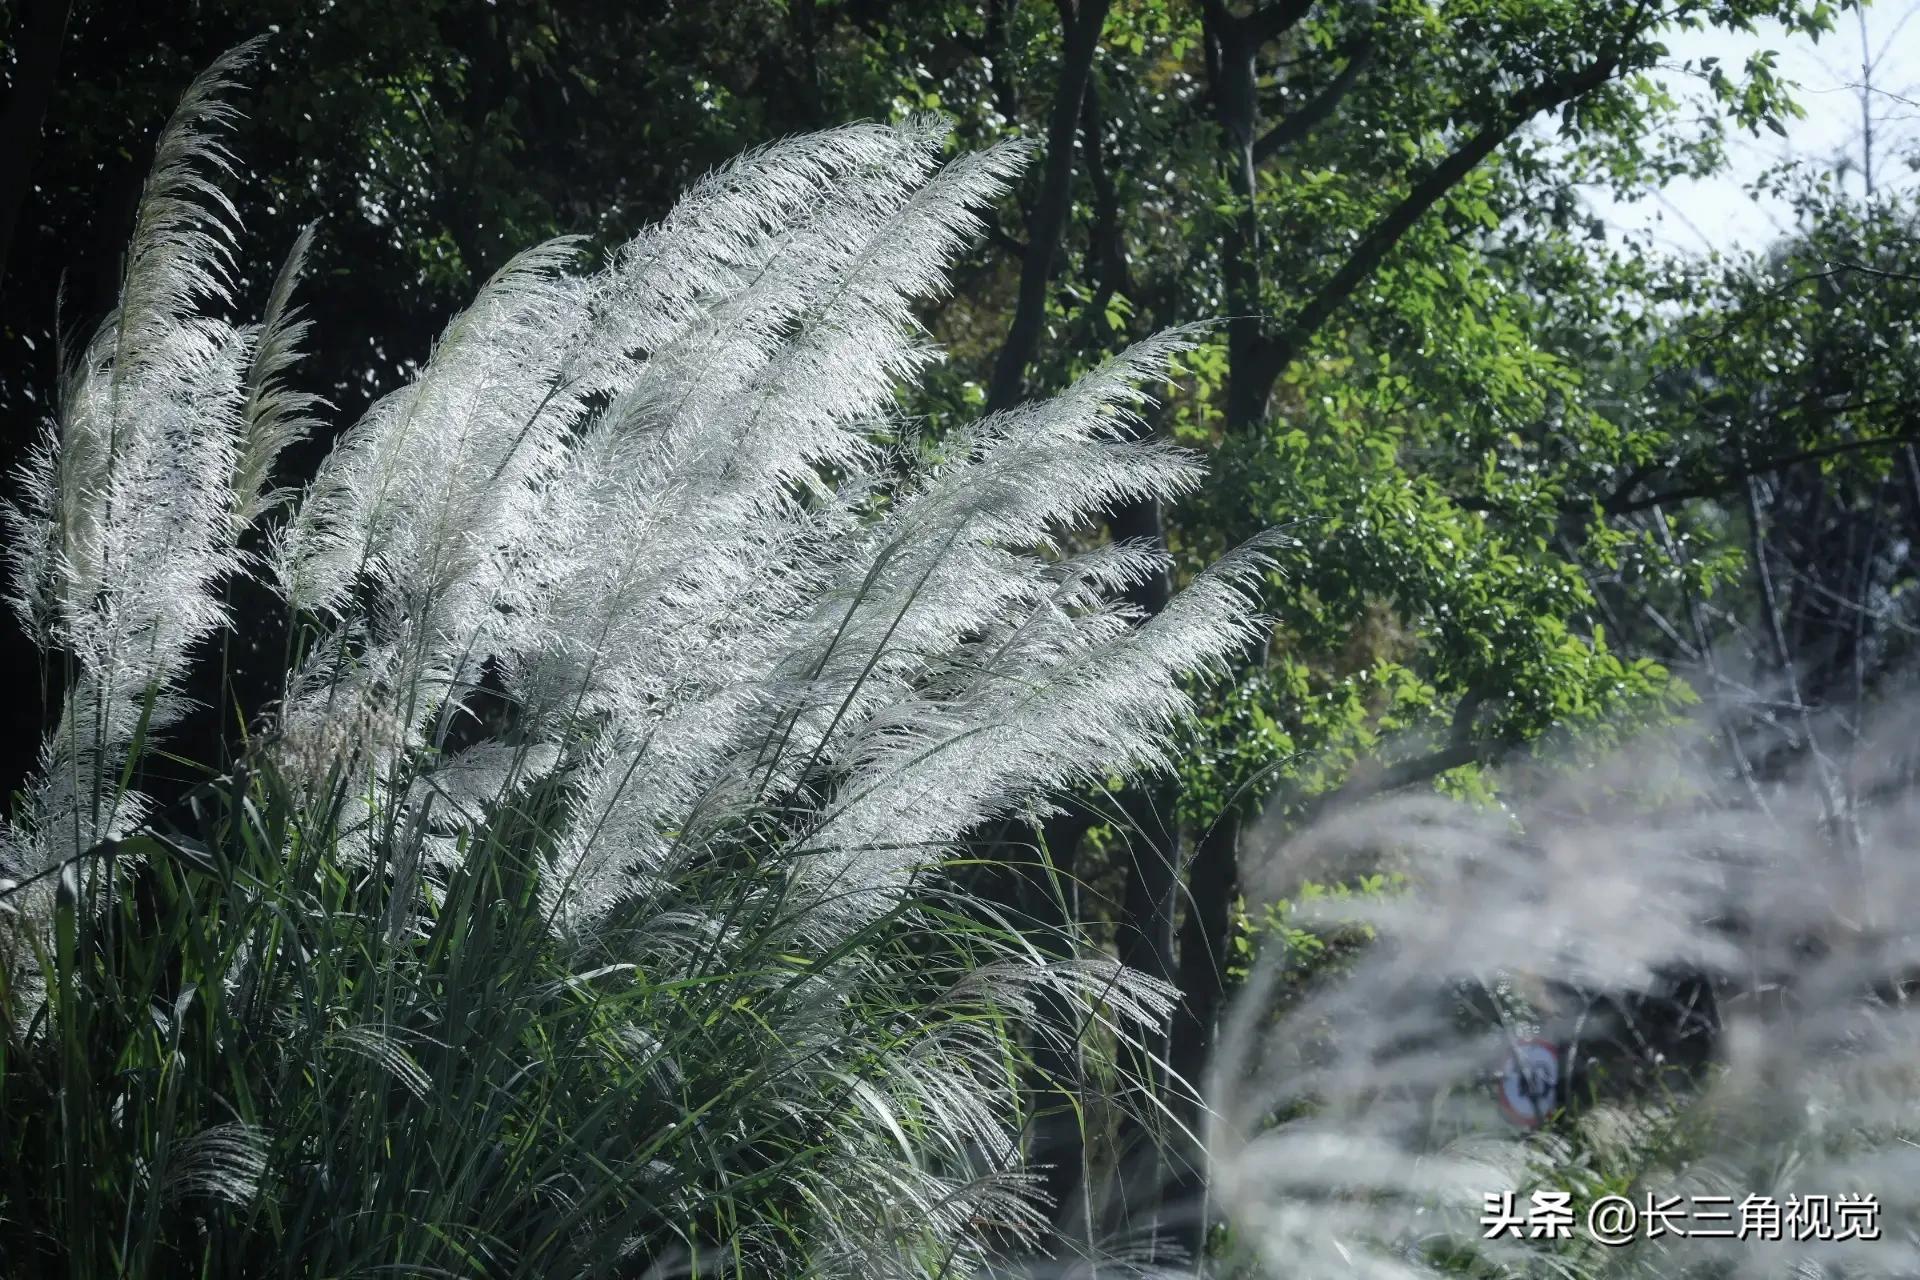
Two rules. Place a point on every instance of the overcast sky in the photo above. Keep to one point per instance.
(1694, 216)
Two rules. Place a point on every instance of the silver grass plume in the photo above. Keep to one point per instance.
(133, 498)
(643, 495)
(276, 414)
(1353, 1129)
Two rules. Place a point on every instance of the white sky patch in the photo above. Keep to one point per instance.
(1721, 213)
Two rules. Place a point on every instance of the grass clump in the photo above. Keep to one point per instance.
(581, 904)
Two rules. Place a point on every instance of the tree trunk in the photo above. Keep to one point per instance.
(1083, 22)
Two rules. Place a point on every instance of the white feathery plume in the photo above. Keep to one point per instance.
(277, 415)
(125, 527)
(1354, 1128)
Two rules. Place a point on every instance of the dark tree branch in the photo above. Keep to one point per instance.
(1083, 23)
(1278, 352)
(1628, 483)
(1271, 21)
(997, 234)
(999, 63)
(1769, 601)
(1407, 773)
(1719, 485)
(1108, 247)
(1877, 272)
(1232, 75)
(1294, 128)
(1109, 239)
(1621, 501)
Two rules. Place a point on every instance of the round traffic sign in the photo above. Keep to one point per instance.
(1529, 1086)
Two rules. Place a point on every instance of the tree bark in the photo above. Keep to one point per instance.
(1082, 22)
(1297, 125)
(1145, 930)
(1058, 1148)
